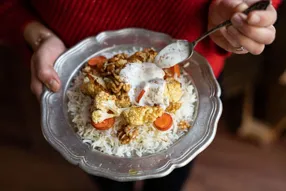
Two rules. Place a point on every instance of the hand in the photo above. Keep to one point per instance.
(42, 62)
(47, 48)
(252, 32)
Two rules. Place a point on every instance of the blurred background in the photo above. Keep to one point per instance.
(248, 153)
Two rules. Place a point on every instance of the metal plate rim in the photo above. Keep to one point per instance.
(171, 164)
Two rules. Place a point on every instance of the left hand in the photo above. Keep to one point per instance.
(252, 32)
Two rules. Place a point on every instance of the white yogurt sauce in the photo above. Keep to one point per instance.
(138, 75)
(172, 54)
(154, 94)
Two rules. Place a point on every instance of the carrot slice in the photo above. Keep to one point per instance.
(172, 71)
(176, 70)
(97, 61)
(140, 96)
(164, 122)
(104, 125)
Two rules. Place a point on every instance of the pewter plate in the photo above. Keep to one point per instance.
(58, 129)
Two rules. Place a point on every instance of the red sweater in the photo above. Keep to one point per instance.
(74, 20)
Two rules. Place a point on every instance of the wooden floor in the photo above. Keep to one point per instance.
(232, 165)
(27, 162)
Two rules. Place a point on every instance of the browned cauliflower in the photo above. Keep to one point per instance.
(141, 115)
(98, 116)
(173, 90)
(106, 102)
(173, 107)
(91, 87)
(102, 105)
(123, 100)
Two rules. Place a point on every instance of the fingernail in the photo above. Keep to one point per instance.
(53, 85)
(238, 19)
(241, 7)
(254, 19)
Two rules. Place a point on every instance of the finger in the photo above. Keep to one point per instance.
(36, 86)
(232, 45)
(241, 7)
(252, 46)
(228, 8)
(263, 18)
(222, 10)
(263, 35)
(46, 74)
(232, 41)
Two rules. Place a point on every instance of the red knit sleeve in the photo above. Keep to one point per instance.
(276, 3)
(14, 15)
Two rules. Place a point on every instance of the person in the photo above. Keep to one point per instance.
(49, 27)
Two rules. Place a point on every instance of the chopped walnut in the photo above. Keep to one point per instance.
(173, 107)
(113, 85)
(147, 55)
(120, 89)
(117, 78)
(151, 54)
(119, 60)
(110, 68)
(111, 72)
(126, 134)
(126, 87)
(184, 125)
(114, 65)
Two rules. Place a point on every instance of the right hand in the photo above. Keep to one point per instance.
(42, 62)
(251, 32)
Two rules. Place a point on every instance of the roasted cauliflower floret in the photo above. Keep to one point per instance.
(98, 116)
(123, 100)
(173, 90)
(105, 102)
(102, 105)
(173, 107)
(91, 88)
(141, 115)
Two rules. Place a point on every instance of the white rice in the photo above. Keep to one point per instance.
(149, 139)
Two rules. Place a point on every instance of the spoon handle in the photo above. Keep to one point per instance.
(261, 5)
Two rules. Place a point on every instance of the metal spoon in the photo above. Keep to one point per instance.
(181, 50)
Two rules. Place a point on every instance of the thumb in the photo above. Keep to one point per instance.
(241, 7)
